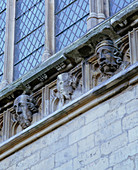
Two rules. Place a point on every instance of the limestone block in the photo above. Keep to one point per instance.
(126, 165)
(109, 118)
(121, 111)
(108, 132)
(132, 106)
(86, 144)
(97, 112)
(12, 167)
(136, 161)
(83, 132)
(29, 161)
(65, 155)
(86, 158)
(47, 164)
(133, 134)
(100, 164)
(130, 121)
(122, 98)
(66, 166)
(114, 144)
(123, 153)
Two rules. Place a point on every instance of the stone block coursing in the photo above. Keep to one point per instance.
(102, 138)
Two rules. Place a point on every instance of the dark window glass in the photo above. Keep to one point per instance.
(117, 5)
(2, 34)
(71, 21)
(29, 35)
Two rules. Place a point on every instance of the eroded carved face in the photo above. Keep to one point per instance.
(23, 113)
(108, 59)
(64, 85)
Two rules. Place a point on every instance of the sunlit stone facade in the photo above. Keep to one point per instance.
(68, 98)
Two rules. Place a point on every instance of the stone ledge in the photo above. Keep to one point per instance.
(76, 107)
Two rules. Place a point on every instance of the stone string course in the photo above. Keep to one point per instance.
(103, 138)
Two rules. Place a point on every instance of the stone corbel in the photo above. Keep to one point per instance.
(109, 57)
(68, 88)
(106, 63)
(24, 108)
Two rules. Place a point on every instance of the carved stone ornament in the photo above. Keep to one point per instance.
(24, 109)
(109, 57)
(64, 87)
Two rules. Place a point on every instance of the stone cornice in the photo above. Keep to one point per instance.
(76, 107)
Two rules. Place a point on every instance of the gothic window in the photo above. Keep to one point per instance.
(29, 35)
(117, 5)
(71, 17)
(2, 34)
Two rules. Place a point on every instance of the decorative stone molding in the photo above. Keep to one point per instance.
(71, 110)
(80, 67)
(24, 108)
(61, 91)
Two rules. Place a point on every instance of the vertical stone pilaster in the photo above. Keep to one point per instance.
(99, 10)
(106, 8)
(6, 125)
(9, 44)
(86, 76)
(45, 101)
(49, 29)
(92, 18)
(133, 43)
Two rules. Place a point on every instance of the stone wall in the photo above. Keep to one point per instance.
(102, 138)
(78, 109)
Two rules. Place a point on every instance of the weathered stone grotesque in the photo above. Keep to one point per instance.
(109, 58)
(24, 109)
(64, 87)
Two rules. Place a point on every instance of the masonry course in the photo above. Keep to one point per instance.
(96, 139)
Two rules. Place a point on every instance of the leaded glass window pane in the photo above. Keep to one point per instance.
(29, 35)
(2, 34)
(71, 21)
(117, 5)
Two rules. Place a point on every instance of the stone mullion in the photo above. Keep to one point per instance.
(49, 29)
(106, 8)
(133, 43)
(9, 44)
(99, 9)
(6, 125)
(86, 76)
(92, 18)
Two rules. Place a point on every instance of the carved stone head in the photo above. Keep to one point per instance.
(24, 109)
(109, 57)
(64, 85)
